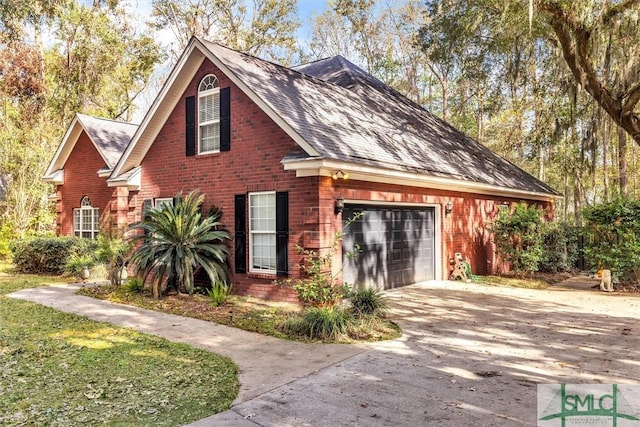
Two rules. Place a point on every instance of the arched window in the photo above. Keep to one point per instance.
(209, 114)
(85, 220)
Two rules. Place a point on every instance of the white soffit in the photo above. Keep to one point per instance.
(318, 167)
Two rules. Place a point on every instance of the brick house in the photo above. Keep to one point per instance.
(289, 155)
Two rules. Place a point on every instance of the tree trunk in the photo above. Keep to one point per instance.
(622, 162)
(605, 161)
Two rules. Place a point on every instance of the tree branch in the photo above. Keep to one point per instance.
(617, 9)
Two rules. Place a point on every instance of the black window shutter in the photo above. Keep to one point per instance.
(282, 233)
(240, 233)
(190, 120)
(147, 204)
(225, 119)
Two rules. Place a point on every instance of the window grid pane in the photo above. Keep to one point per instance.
(210, 137)
(209, 108)
(264, 251)
(86, 222)
(262, 224)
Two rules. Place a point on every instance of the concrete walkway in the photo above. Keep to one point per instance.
(265, 362)
(470, 354)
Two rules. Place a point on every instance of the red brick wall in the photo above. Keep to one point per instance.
(464, 230)
(253, 164)
(81, 179)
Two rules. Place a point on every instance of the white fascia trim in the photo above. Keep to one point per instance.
(56, 177)
(166, 88)
(259, 101)
(62, 153)
(133, 182)
(323, 167)
(104, 173)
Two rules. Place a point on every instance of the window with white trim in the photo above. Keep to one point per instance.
(209, 114)
(163, 201)
(86, 220)
(262, 232)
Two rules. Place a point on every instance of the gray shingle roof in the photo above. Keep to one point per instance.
(346, 114)
(111, 137)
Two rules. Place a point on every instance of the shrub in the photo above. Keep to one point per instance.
(613, 231)
(560, 247)
(324, 323)
(6, 235)
(48, 255)
(75, 264)
(112, 252)
(178, 241)
(321, 287)
(368, 301)
(135, 285)
(218, 294)
(518, 238)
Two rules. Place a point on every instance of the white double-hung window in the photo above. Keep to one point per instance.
(209, 114)
(86, 220)
(262, 232)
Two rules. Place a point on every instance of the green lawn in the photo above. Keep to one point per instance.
(63, 369)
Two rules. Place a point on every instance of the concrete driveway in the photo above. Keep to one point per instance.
(470, 355)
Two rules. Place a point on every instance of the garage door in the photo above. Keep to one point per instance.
(397, 246)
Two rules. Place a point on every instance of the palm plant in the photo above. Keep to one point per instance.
(177, 242)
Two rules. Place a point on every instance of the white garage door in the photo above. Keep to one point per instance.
(397, 246)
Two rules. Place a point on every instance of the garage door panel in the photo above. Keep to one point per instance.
(396, 246)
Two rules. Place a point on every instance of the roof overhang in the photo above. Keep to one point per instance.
(104, 172)
(66, 147)
(327, 167)
(172, 92)
(132, 180)
(56, 177)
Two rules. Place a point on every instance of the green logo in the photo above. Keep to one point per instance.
(580, 407)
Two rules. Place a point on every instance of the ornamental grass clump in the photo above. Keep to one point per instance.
(368, 302)
(321, 323)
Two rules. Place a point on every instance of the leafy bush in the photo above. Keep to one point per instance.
(48, 255)
(614, 237)
(135, 285)
(6, 235)
(368, 301)
(76, 263)
(325, 323)
(177, 241)
(321, 287)
(518, 237)
(559, 247)
(112, 252)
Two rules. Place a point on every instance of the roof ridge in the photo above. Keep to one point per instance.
(106, 119)
(282, 67)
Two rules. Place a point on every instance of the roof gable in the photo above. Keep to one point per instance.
(109, 137)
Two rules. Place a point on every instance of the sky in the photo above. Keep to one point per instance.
(142, 8)
(306, 9)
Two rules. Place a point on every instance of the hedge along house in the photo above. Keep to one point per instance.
(289, 155)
